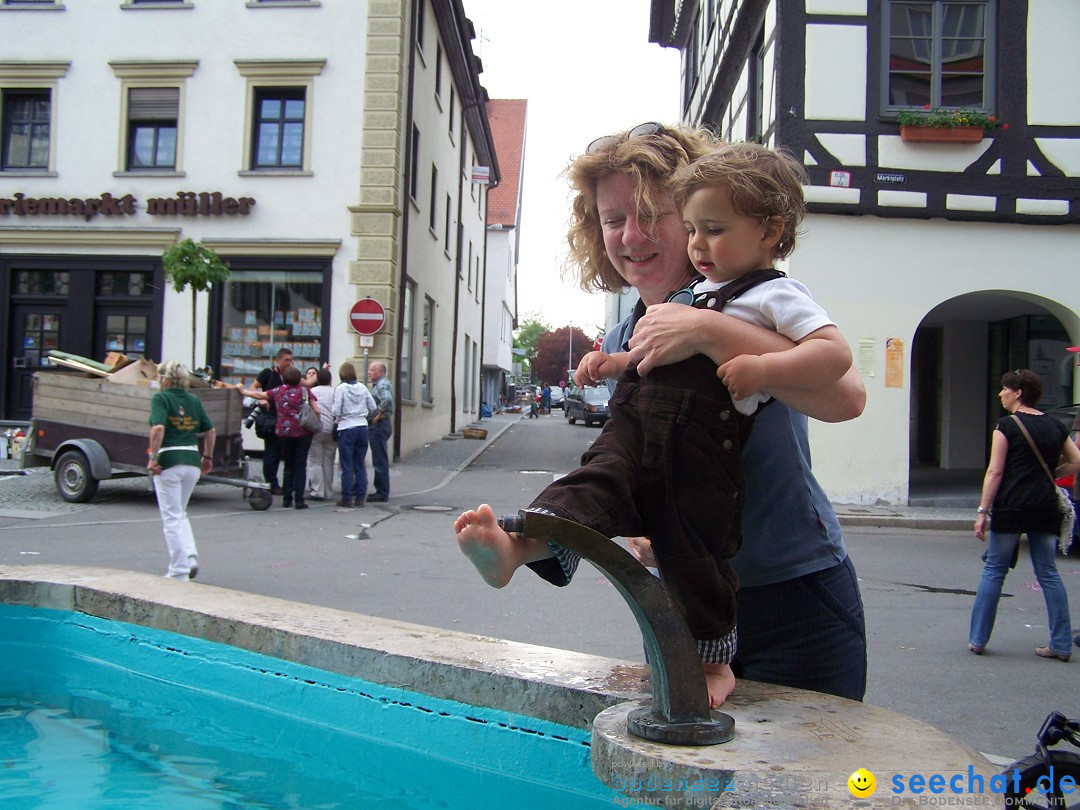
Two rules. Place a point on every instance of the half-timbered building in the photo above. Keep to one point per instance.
(945, 262)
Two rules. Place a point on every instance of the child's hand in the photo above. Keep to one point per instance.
(641, 548)
(721, 682)
(744, 375)
(594, 368)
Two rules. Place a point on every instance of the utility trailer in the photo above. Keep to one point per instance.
(91, 429)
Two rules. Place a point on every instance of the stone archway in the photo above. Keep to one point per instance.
(959, 350)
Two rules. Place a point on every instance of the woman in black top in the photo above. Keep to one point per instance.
(1019, 497)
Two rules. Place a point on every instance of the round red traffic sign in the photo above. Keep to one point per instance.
(367, 316)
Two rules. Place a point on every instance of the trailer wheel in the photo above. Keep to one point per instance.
(74, 480)
(259, 499)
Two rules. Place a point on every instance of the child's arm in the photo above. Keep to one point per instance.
(596, 367)
(669, 333)
(818, 360)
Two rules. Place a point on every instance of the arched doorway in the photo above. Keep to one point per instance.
(960, 349)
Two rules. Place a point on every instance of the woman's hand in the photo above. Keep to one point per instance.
(665, 335)
(980, 527)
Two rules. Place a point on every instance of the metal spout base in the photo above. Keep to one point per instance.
(643, 723)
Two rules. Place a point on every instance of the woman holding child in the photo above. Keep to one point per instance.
(804, 628)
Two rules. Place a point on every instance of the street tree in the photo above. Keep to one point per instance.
(525, 338)
(558, 351)
(192, 264)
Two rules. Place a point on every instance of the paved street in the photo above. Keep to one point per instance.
(399, 560)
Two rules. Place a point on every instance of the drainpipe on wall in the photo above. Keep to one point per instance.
(457, 275)
(404, 205)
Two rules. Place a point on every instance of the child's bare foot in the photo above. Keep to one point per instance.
(721, 681)
(487, 546)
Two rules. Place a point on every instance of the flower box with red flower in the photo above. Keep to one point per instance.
(946, 125)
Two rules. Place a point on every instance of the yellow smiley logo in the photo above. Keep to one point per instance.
(862, 784)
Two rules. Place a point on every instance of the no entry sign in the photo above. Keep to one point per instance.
(367, 316)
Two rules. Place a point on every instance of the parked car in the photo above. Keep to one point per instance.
(590, 405)
(556, 397)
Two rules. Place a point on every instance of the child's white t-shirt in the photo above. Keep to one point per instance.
(783, 305)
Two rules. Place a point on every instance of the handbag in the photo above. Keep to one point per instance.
(265, 422)
(1065, 506)
(309, 420)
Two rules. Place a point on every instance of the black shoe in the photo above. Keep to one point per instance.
(316, 498)
(276, 490)
(1076, 639)
(286, 502)
(377, 498)
(301, 505)
(346, 503)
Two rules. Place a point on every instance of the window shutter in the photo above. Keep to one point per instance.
(153, 103)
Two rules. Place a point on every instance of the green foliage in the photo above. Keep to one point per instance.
(192, 264)
(942, 117)
(525, 338)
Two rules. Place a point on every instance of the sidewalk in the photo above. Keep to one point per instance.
(434, 465)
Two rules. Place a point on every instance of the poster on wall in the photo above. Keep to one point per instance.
(864, 360)
(894, 363)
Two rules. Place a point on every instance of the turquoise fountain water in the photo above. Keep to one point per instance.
(96, 713)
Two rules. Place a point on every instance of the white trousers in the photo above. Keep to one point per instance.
(173, 488)
(320, 466)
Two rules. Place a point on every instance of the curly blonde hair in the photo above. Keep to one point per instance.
(649, 161)
(763, 183)
(173, 374)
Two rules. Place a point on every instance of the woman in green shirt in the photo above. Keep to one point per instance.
(176, 418)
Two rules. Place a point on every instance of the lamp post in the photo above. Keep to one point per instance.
(570, 353)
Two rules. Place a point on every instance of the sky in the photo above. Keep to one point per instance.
(587, 69)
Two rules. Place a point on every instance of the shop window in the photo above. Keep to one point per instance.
(152, 127)
(425, 350)
(40, 332)
(938, 53)
(42, 282)
(123, 284)
(126, 334)
(405, 388)
(267, 310)
(26, 120)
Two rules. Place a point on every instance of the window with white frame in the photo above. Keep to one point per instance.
(405, 379)
(466, 387)
(151, 114)
(426, 335)
(438, 72)
(277, 122)
(28, 93)
(938, 53)
(446, 226)
(27, 116)
(434, 197)
(414, 164)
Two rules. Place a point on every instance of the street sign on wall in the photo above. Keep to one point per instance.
(367, 316)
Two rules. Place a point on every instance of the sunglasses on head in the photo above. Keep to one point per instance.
(640, 131)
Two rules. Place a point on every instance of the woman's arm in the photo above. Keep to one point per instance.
(252, 392)
(999, 449)
(1071, 453)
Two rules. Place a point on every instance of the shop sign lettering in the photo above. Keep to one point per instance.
(184, 204)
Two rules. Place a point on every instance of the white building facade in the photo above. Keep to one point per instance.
(945, 264)
(324, 149)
